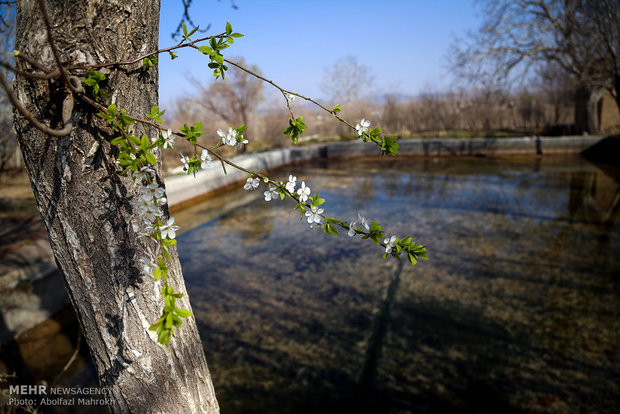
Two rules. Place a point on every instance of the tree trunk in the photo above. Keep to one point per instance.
(88, 208)
(587, 109)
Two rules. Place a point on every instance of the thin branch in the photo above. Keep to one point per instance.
(141, 58)
(34, 63)
(32, 75)
(285, 92)
(26, 114)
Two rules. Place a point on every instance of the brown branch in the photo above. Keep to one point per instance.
(141, 58)
(32, 75)
(29, 117)
(34, 63)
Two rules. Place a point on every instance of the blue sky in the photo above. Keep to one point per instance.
(403, 42)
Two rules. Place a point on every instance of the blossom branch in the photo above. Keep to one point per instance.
(180, 45)
(388, 145)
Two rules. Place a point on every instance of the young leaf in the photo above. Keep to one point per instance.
(150, 157)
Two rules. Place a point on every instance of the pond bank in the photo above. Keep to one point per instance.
(182, 190)
(32, 288)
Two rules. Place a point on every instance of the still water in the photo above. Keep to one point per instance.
(517, 310)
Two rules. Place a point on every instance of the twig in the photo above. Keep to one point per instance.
(29, 117)
(285, 92)
(140, 58)
(34, 75)
(34, 63)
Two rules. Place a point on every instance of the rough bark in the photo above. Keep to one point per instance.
(587, 111)
(89, 209)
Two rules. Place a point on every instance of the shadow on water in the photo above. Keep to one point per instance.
(517, 310)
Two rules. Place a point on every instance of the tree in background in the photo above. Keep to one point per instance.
(581, 37)
(346, 80)
(232, 99)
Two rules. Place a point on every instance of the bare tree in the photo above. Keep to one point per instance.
(556, 87)
(347, 80)
(581, 36)
(234, 98)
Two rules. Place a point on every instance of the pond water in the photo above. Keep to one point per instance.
(517, 309)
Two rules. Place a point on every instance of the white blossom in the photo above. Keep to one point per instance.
(168, 138)
(314, 215)
(206, 159)
(251, 183)
(363, 222)
(352, 231)
(290, 98)
(240, 142)
(290, 186)
(169, 229)
(151, 191)
(390, 244)
(143, 174)
(303, 192)
(271, 193)
(185, 162)
(148, 267)
(362, 126)
(148, 211)
(229, 138)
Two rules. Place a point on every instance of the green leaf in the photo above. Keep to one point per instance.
(117, 140)
(112, 109)
(150, 157)
(295, 129)
(205, 50)
(236, 35)
(193, 31)
(412, 258)
(184, 30)
(172, 55)
(336, 109)
(389, 146)
(228, 28)
(183, 313)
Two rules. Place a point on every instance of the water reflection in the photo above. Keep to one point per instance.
(516, 311)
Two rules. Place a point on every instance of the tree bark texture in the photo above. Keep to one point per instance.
(89, 210)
